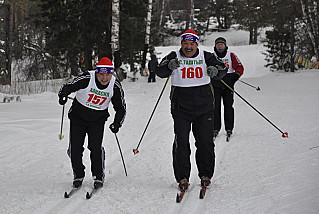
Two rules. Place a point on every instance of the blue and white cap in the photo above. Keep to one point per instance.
(104, 66)
(190, 35)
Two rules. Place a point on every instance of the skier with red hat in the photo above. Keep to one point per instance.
(94, 91)
(192, 106)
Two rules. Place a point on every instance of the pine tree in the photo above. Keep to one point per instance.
(310, 11)
(132, 31)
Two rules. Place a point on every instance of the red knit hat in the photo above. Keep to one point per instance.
(104, 66)
(190, 35)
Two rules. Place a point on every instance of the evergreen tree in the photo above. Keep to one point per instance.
(252, 14)
(281, 40)
(132, 30)
(77, 32)
(310, 11)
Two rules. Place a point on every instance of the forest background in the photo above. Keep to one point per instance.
(46, 39)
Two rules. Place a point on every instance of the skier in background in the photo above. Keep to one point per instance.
(235, 70)
(192, 105)
(152, 64)
(88, 113)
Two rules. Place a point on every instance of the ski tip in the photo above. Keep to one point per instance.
(135, 151)
(178, 198)
(202, 193)
(66, 195)
(88, 196)
(258, 89)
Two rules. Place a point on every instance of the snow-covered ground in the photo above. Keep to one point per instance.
(258, 171)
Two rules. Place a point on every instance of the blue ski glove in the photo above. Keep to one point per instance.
(212, 71)
(173, 64)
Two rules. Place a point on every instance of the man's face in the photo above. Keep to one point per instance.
(220, 46)
(104, 79)
(189, 48)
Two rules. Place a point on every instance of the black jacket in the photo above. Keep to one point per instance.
(84, 114)
(192, 101)
(152, 64)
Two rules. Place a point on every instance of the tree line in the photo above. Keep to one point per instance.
(49, 39)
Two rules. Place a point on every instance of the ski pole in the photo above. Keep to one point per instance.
(135, 151)
(284, 134)
(60, 135)
(117, 140)
(257, 88)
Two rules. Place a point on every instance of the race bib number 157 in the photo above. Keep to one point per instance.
(96, 99)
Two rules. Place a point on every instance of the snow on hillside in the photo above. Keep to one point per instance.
(258, 171)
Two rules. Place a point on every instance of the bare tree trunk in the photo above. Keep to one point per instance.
(9, 25)
(255, 30)
(115, 40)
(207, 24)
(292, 33)
(190, 15)
(188, 9)
(311, 22)
(251, 34)
(162, 13)
(147, 33)
(22, 29)
(115, 31)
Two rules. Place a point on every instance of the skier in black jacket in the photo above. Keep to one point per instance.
(152, 64)
(192, 105)
(88, 113)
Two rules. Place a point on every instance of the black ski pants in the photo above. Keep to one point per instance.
(202, 127)
(228, 100)
(151, 77)
(95, 131)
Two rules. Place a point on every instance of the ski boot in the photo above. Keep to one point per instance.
(77, 182)
(228, 133)
(98, 182)
(204, 181)
(183, 184)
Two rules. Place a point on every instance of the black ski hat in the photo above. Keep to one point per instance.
(220, 40)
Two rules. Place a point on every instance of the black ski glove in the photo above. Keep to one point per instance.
(63, 98)
(115, 127)
(235, 76)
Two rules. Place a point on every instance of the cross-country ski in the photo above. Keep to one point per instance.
(72, 192)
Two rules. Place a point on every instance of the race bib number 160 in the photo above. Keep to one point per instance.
(191, 72)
